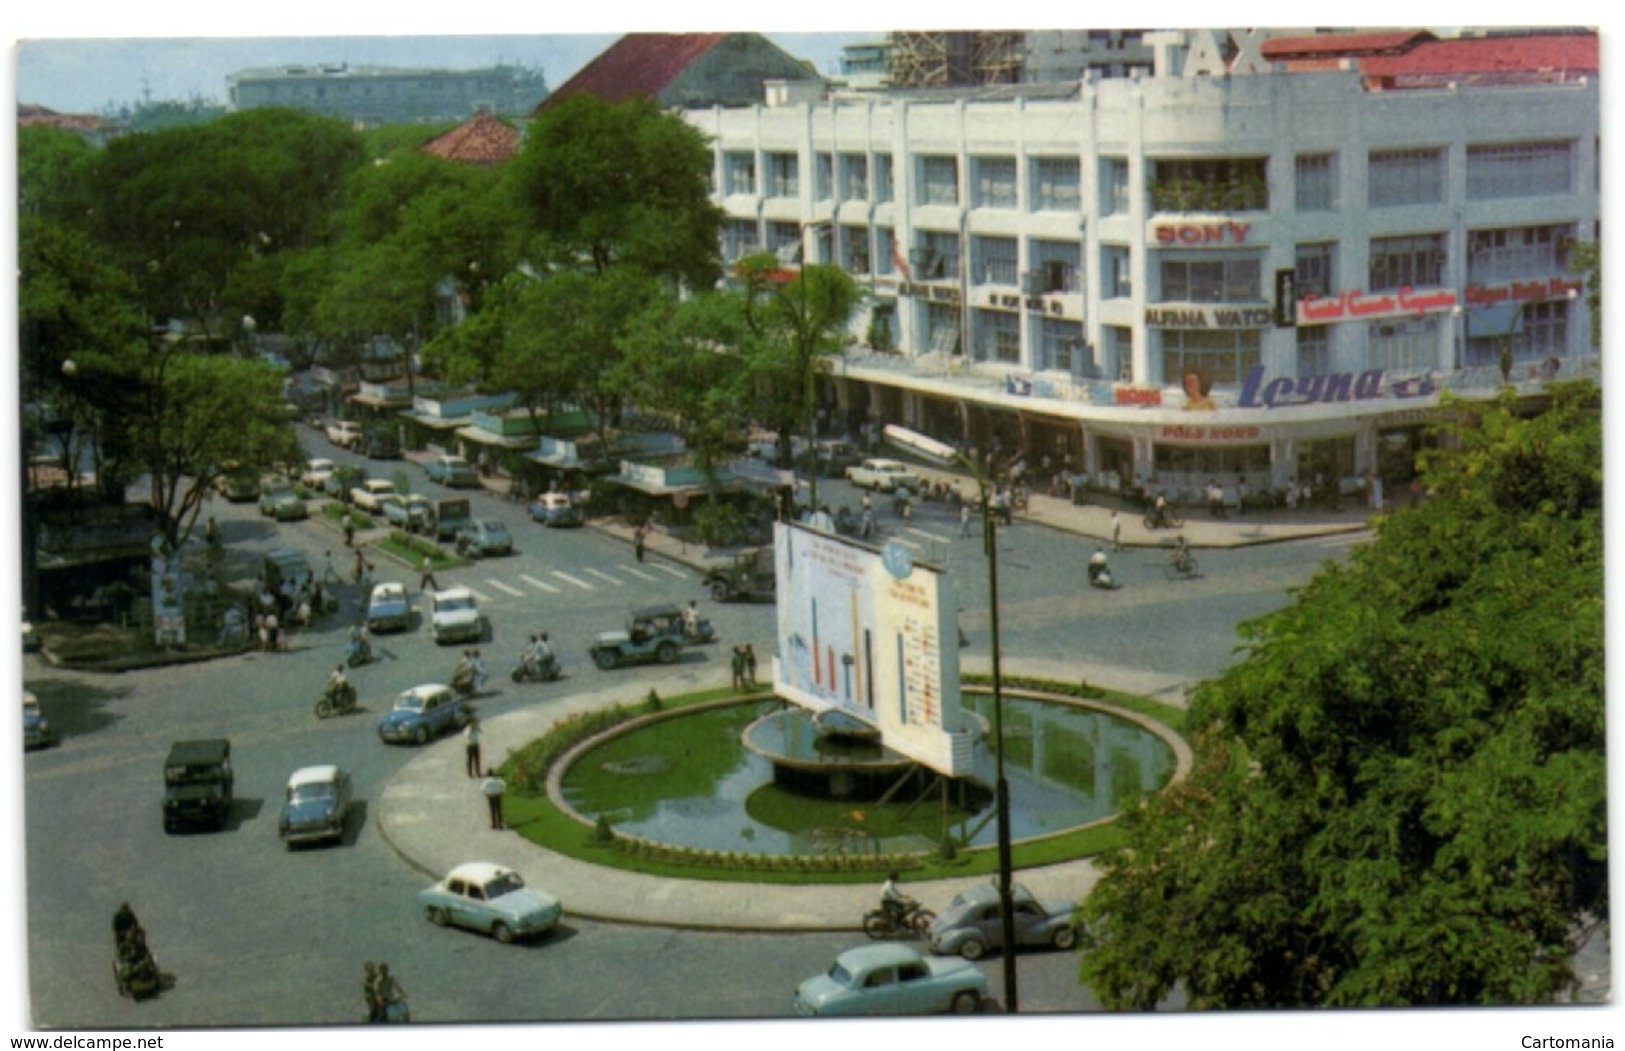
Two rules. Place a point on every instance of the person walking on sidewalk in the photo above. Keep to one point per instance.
(964, 521)
(471, 747)
(640, 538)
(493, 788)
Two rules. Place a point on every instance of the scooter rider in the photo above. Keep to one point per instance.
(893, 900)
(337, 684)
(360, 641)
(1097, 567)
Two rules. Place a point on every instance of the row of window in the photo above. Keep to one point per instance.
(1055, 266)
(1394, 177)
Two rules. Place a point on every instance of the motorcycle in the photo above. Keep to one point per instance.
(339, 701)
(135, 972)
(357, 652)
(544, 670)
(1100, 576)
(912, 919)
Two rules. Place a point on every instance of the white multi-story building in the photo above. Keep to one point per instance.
(1264, 262)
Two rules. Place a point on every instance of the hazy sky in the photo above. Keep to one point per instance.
(90, 75)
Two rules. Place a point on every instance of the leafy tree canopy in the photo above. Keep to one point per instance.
(619, 184)
(1401, 796)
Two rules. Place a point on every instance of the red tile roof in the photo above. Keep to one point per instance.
(483, 140)
(637, 65)
(1339, 45)
(1574, 53)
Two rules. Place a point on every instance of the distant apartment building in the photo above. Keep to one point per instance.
(373, 95)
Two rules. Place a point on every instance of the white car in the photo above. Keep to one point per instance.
(482, 896)
(344, 432)
(888, 476)
(368, 496)
(454, 616)
(316, 473)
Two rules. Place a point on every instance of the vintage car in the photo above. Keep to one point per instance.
(452, 471)
(887, 476)
(750, 577)
(344, 433)
(367, 495)
(285, 565)
(892, 979)
(388, 608)
(482, 538)
(37, 732)
(198, 782)
(279, 501)
(556, 510)
(654, 633)
(486, 897)
(971, 924)
(316, 473)
(380, 443)
(421, 713)
(315, 806)
(454, 616)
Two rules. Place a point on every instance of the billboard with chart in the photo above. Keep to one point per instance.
(871, 634)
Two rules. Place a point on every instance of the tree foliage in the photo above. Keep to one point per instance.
(1401, 792)
(618, 184)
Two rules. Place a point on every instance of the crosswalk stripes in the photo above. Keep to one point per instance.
(577, 581)
(906, 542)
(640, 574)
(600, 574)
(542, 584)
(500, 586)
(479, 596)
(679, 574)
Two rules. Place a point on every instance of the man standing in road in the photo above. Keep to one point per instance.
(493, 788)
(471, 747)
(426, 572)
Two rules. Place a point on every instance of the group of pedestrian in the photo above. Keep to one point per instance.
(270, 632)
(383, 995)
(744, 667)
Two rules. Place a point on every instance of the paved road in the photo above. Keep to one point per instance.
(257, 935)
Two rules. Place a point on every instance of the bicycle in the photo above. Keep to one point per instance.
(1181, 563)
(1169, 518)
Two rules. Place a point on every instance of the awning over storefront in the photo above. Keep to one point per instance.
(481, 436)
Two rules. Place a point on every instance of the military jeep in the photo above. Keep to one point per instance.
(198, 784)
(652, 634)
(751, 577)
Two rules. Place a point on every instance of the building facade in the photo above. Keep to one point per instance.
(1261, 276)
(374, 95)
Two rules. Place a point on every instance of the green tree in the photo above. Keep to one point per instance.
(1401, 792)
(800, 324)
(618, 184)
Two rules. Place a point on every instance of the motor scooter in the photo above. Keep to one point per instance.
(1100, 576)
(358, 651)
(544, 670)
(340, 700)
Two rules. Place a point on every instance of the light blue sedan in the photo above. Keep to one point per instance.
(891, 979)
(486, 897)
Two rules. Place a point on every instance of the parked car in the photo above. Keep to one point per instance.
(412, 512)
(198, 784)
(37, 732)
(423, 712)
(366, 495)
(344, 478)
(344, 433)
(486, 897)
(315, 806)
(483, 537)
(279, 501)
(892, 979)
(452, 471)
(556, 510)
(389, 609)
(654, 633)
(316, 473)
(751, 576)
(888, 476)
(971, 924)
(454, 616)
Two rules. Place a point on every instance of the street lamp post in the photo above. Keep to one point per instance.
(946, 455)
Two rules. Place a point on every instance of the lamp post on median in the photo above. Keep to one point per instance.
(946, 455)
